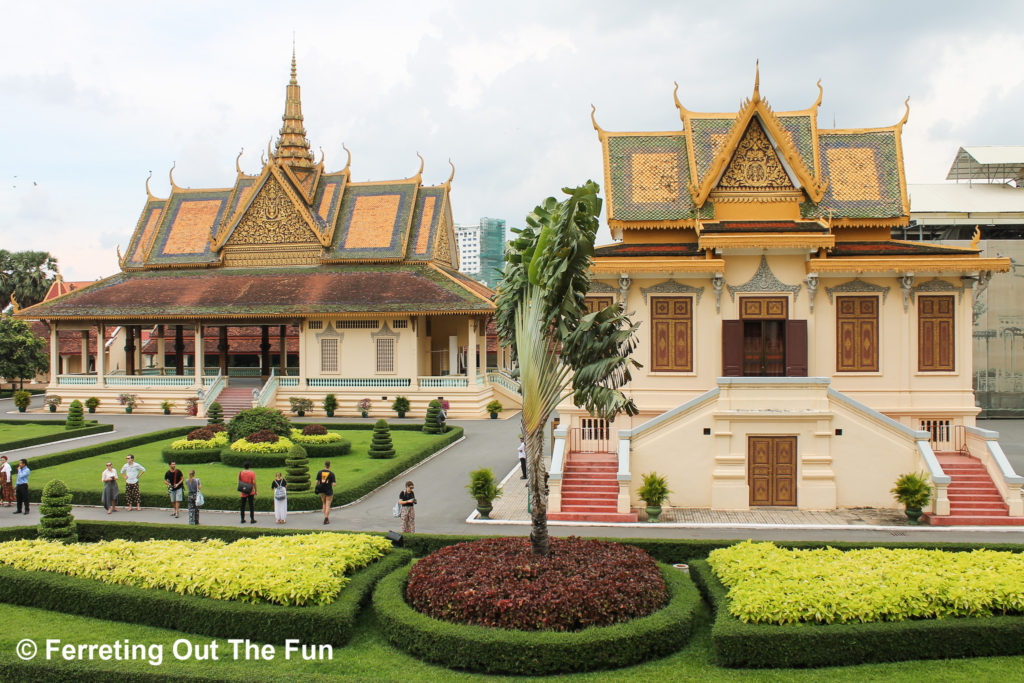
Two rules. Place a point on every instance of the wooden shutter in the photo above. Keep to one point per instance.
(935, 333)
(856, 334)
(593, 304)
(732, 348)
(796, 348)
(671, 334)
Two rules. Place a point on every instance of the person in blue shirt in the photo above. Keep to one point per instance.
(21, 485)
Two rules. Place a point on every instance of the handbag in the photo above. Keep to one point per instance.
(397, 512)
(200, 499)
(245, 488)
(280, 492)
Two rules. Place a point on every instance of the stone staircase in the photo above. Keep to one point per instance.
(974, 499)
(234, 400)
(590, 490)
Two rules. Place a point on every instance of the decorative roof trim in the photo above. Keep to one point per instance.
(766, 241)
(598, 287)
(905, 264)
(763, 280)
(671, 287)
(651, 225)
(896, 222)
(857, 286)
(433, 266)
(613, 266)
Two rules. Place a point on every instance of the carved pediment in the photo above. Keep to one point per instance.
(755, 165)
(671, 287)
(763, 280)
(272, 218)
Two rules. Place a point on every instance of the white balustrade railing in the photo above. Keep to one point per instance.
(359, 382)
(444, 382)
(216, 386)
(156, 380)
(76, 380)
(503, 380)
(269, 391)
(288, 382)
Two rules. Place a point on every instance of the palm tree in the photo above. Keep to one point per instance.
(561, 350)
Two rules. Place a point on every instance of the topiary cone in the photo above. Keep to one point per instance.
(432, 425)
(215, 414)
(75, 419)
(297, 468)
(57, 523)
(380, 445)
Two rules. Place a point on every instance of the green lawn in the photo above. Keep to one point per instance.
(84, 474)
(369, 657)
(17, 432)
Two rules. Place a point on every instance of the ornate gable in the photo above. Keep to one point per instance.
(755, 165)
(271, 231)
(304, 179)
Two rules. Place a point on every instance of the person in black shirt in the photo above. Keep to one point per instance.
(175, 480)
(407, 499)
(325, 487)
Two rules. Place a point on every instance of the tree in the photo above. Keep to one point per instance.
(26, 274)
(380, 445)
(432, 422)
(22, 354)
(575, 353)
(215, 414)
(75, 419)
(57, 522)
(297, 466)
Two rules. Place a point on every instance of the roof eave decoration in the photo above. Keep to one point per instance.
(907, 264)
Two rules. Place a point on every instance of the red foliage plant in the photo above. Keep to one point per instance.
(314, 430)
(200, 434)
(498, 582)
(262, 436)
(215, 428)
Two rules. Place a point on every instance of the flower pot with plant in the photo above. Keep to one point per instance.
(914, 492)
(300, 405)
(364, 407)
(92, 403)
(166, 406)
(52, 402)
(21, 400)
(330, 404)
(483, 486)
(494, 407)
(129, 401)
(192, 406)
(653, 491)
(400, 406)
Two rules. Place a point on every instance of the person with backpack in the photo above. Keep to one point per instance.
(247, 492)
(325, 488)
(280, 488)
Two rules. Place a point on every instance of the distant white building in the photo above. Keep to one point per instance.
(468, 239)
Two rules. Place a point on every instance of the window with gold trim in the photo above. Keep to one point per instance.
(857, 334)
(935, 333)
(672, 334)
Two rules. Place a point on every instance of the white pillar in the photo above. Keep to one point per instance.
(471, 354)
(85, 351)
(54, 354)
(101, 355)
(453, 355)
(161, 347)
(198, 356)
(302, 353)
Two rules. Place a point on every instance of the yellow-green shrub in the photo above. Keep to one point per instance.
(219, 440)
(282, 445)
(308, 569)
(775, 585)
(298, 437)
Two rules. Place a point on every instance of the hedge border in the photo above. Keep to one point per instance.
(238, 459)
(191, 456)
(52, 459)
(739, 645)
(332, 624)
(532, 653)
(331, 449)
(88, 430)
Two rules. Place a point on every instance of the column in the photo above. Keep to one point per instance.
(85, 352)
(302, 354)
(264, 352)
(197, 358)
(471, 353)
(179, 350)
(283, 346)
(453, 355)
(161, 348)
(138, 348)
(129, 350)
(54, 354)
(222, 349)
(101, 355)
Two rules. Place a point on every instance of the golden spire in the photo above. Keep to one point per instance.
(292, 146)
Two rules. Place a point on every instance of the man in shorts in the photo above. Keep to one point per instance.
(131, 471)
(325, 487)
(175, 480)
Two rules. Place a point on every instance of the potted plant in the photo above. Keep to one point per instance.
(653, 491)
(300, 405)
(400, 406)
(484, 489)
(167, 405)
(192, 406)
(21, 400)
(364, 407)
(52, 402)
(330, 404)
(914, 492)
(92, 403)
(129, 401)
(494, 407)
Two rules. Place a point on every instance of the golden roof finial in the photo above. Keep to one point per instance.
(906, 115)
(977, 237)
(593, 119)
(448, 183)
(149, 194)
(322, 155)
(348, 162)
(292, 145)
(237, 159)
(757, 80)
(120, 259)
(170, 174)
(14, 303)
(817, 102)
(420, 172)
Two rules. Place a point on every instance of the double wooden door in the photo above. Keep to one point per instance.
(771, 470)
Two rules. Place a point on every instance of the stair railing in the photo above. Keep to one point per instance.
(213, 391)
(269, 391)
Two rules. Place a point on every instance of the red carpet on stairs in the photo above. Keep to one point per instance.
(234, 400)
(590, 490)
(974, 499)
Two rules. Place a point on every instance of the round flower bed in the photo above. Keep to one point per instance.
(202, 445)
(498, 582)
(320, 443)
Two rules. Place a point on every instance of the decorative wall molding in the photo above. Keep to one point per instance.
(624, 283)
(598, 287)
(718, 285)
(907, 285)
(764, 280)
(671, 287)
(384, 331)
(937, 285)
(329, 331)
(857, 286)
(812, 287)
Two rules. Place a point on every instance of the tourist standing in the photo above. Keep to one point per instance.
(325, 488)
(407, 499)
(280, 488)
(522, 457)
(194, 486)
(175, 480)
(132, 471)
(247, 492)
(21, 485)
(110, 491)
(6, 484)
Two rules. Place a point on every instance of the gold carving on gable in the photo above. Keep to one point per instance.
(443, 250)
(755, 165)
(272, 219)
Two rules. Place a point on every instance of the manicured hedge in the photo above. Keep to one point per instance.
(52, 459)
(327, 450)
(257, 460)
(740, 645)
(42, 671)
(332, 624)
(532, 653)
(393, 426)
(191, 456)
(90, 429)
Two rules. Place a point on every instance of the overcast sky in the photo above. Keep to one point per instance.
(95, 95)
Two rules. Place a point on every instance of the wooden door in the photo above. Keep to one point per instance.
(771, 468)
